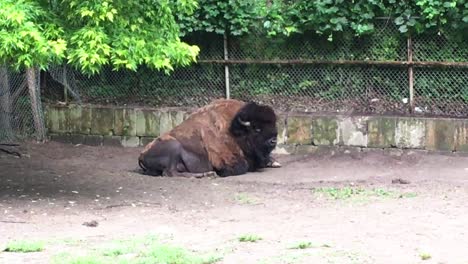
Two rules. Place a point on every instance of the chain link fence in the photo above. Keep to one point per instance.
(303, 73)
(16, 109)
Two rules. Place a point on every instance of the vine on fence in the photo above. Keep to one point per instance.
(324, 16)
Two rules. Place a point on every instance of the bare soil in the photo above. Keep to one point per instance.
(53, 192)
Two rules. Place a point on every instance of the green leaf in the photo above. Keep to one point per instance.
(403, 29)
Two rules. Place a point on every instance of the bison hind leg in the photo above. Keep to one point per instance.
(211, 174)
(239, 168)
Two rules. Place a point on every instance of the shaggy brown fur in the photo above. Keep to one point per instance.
(206, 133)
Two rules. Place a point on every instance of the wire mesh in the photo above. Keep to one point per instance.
(386, 44)
(324, 89)
(441, 92)
(440, 47)
(192, 86)
(16, 118)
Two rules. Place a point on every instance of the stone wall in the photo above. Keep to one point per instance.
(132, 127)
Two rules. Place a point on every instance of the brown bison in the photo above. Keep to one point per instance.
(226, 137)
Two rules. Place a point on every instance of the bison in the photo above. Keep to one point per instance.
(225, 138)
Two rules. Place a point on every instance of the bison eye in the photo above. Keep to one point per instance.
(258, 130)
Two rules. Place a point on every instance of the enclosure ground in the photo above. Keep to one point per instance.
(329, 207)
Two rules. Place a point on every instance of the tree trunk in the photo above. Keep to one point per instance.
(6, 132)
(34, 96)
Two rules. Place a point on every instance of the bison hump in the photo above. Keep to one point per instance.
(207, 131)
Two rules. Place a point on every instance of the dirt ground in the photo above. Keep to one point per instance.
(51, 193)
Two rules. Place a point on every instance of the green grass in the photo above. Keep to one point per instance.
(244, 198)
(343, 193)
(24, 246)
(302, 245)
(139, 251)
(425, 256)
(306, 244)
(249, 238)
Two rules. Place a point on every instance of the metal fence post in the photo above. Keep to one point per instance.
(226, 67)
(410, 73)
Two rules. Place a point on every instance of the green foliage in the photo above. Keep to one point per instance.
(249, 238)
(325, 17)
(344, 193)
(29, 35)
(425, 256)
(91, 34)
(24, 246)
(147, 250)
(126, 34)
(233, 16)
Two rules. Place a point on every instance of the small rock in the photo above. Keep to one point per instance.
(92, 223)
(400, 181)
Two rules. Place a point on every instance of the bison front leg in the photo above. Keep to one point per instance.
(273, 163)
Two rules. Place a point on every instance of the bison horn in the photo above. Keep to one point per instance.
(244, 123)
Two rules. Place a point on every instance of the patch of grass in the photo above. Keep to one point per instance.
(345, 256)
(302, 245)
(244, 198)
(24, 246)
(343, 193)
(141, 251)
(305, 245)
(408, 195)
(425, 256)
(249, 238)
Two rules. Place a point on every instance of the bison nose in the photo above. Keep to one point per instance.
(272, 142)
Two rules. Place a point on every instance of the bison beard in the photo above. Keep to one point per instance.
(226, 137)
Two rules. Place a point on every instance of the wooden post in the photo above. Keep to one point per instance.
(35, 98)
(410, 73)
(65, 84)
(226, 67)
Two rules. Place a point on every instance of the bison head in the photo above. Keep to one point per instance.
(254, 128)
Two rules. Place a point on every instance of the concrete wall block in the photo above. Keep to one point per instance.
(282, 131)
(410, 133)
(165, 122)
(93, 140)
(130, 141)
(305, 149)
(145, 140)
(57, 119)
(77, 139)
(114, 141)
(177, 118)
(461, 136)
(62, 138)
(440, 134)
(299, 130)
(325, 131)
(102, 121)
(125, 122)
(353, 131)
(284, 149)
(147, 123)
(79, 119)
(381, 132)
